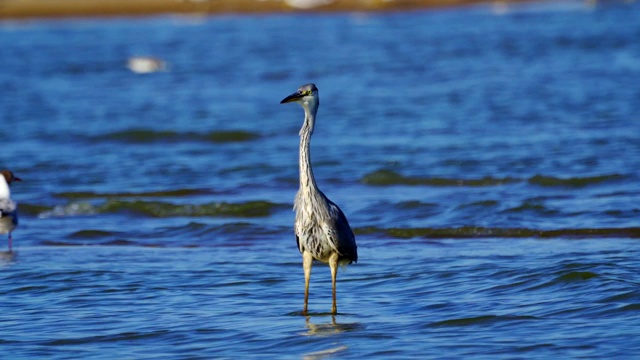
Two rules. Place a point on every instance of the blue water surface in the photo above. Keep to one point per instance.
(487, 157)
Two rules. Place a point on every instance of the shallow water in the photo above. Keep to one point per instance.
(487, 161)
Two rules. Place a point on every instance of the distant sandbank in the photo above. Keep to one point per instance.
(20, 9)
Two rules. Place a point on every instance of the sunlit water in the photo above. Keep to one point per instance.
(488, 161)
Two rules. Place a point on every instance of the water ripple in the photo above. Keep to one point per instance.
(390, 178)
(487, 232)
(482, 320)
(146, 136)
(161, 209)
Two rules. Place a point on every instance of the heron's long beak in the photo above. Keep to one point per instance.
(291, 98)
(15, 178)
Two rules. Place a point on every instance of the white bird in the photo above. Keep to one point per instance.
(8, 208)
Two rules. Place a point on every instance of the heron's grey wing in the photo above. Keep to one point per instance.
(339, 233)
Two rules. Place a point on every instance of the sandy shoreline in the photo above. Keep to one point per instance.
(21, 9)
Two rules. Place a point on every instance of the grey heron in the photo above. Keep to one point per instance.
(8, 208)
(322, 230)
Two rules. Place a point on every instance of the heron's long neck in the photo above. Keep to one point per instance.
(307, 180)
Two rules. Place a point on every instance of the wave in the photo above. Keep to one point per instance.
(475, 232)
(145, 136)
(246, 229)
(93, 234)
(464, 232)
(116, 242)
(532, 208)
(386, 177)
(192, 233)
(188, 235)
(158, 209)
(576, 276)
(576, 182)
(70, 195)
(390, 177)
(482, 320)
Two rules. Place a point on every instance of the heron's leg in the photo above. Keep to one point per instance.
(307, 262)
(10, 243)
(333, 264)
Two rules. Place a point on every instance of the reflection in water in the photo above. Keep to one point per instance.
(328, 329)
(7, 257)
(322, 329)
(324, 353)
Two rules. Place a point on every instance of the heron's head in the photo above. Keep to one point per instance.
(306, 96)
